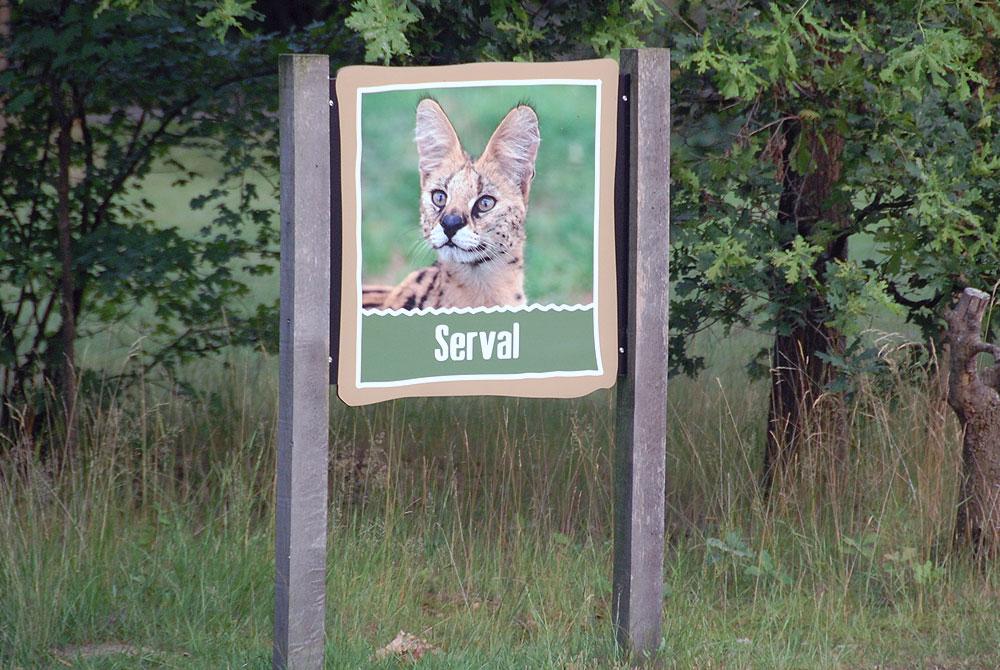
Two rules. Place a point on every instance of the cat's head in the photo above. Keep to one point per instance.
(472, 211)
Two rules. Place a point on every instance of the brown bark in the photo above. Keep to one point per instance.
(974, 397)
(67, 377)
(799, 375)
(800, 405)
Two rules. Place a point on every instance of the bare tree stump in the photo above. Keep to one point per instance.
(973, 394)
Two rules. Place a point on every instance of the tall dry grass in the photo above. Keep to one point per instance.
(485, 525)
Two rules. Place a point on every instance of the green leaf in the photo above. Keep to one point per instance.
(382, 24)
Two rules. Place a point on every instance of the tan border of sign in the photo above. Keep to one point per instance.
(349, 80)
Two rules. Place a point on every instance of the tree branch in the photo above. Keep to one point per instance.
(876, 205)
(143, 152)
(127, 170)
(80, 110)
(987, 348)
(33, 213)
(159, 357)
(912, 303)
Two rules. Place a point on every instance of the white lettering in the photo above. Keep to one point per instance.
(502, 344)
(441, 352)
(458, 347)
(470, 347)
(486, 342)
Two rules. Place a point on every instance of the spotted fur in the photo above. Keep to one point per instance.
(471, 214)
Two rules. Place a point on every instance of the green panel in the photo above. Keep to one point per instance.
(396, 348)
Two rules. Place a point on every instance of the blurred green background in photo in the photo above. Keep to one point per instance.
(560, 223)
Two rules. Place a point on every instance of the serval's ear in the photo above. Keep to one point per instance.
(437, 141)
(514, 146)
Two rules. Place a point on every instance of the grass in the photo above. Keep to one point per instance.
(484, 527)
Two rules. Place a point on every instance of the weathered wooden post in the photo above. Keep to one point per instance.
(640, 450)
(304, 406)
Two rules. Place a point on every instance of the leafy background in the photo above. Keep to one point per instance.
(560, 248)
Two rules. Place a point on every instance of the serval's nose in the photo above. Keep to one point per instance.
(451, 224)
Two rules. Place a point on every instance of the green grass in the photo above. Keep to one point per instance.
(484, 526)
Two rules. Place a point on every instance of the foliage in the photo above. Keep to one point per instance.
(732, 553)
(219, 16)
(132, 88)
(382, 24)
(434, 32)
(761, 89)
(139, 79)
(901, 99)
(893, 574)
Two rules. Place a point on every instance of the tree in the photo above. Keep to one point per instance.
(975, 396)
(803, 129)
(93, 100)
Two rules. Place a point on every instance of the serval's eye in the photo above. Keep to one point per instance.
(485, 203)
(439, 198)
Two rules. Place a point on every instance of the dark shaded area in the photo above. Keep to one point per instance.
(285, 16)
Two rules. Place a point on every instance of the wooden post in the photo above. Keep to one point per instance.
(640, 449)
(304, 405)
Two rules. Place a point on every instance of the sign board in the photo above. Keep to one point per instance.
(537, 194)
(477, 230)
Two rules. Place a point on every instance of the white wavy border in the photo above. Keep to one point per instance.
(534, 307)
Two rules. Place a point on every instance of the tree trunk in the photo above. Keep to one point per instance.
(4, 36)
(67, 376)
(799, 375)
(974, 396)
